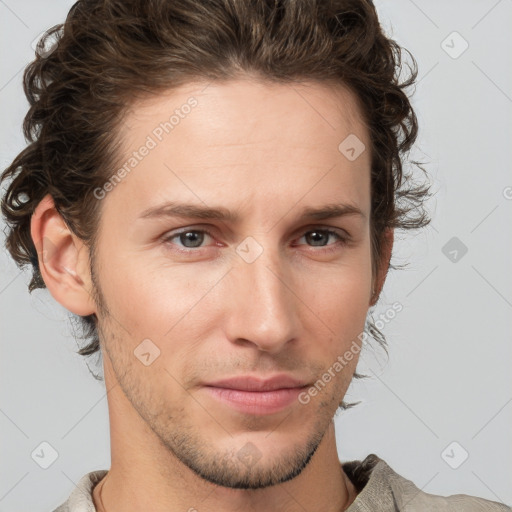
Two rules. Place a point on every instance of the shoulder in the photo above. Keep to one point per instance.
(381, 488)
(80, 499)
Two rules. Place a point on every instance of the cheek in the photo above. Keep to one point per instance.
(339, 298)
(347, 304)
(340, 292)
(149, 298)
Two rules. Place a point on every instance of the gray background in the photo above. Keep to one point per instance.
(448, 377)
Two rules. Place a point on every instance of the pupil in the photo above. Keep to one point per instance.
(315, 238)
(192, 236)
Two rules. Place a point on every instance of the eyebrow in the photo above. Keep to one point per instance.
(193, 211)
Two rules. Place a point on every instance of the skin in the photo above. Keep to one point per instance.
(264, 151)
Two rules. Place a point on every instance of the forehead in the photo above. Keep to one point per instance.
(247, 140)
(246, 107)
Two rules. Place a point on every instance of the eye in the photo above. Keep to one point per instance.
(318, 237)
(189, 239)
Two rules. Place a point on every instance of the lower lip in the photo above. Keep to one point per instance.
(256, 402)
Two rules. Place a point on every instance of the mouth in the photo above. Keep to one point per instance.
(251, 395)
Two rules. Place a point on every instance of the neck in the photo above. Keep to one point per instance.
(322, 485)
(145, 475)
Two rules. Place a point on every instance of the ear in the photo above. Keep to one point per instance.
(63, 259)
(383, 266)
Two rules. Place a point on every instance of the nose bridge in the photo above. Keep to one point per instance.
(264, 306)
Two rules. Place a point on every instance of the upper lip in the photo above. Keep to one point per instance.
(250, 383)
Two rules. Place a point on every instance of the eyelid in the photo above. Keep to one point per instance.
(326, 227)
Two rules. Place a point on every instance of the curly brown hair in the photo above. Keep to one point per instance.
(109, 53)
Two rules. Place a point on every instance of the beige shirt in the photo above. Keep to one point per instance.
(379, 488)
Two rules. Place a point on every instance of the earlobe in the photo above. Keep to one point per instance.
(385, 258)
(61, 255)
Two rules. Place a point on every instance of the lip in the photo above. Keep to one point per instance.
(253, 395)
(251, 383)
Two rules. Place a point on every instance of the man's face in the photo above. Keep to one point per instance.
(266, 294)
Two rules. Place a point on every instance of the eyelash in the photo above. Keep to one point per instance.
(343, 240)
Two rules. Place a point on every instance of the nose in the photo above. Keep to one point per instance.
(264, 303)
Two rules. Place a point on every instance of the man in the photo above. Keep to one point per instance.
(211, 187)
